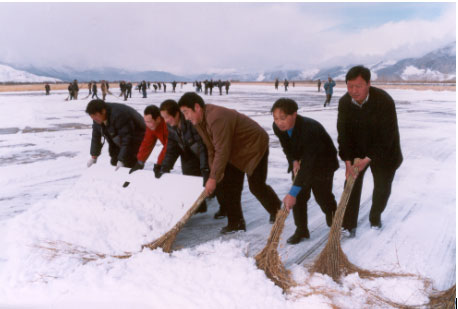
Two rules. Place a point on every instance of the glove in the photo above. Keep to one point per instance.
(113, 161)
(157, 171)
(205, 174)
(118, 165)
(138, 166)
(91, 161)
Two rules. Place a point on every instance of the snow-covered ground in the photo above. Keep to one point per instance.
(62, 223)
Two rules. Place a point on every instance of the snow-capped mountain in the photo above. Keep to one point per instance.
(9, 74)
(436, 66)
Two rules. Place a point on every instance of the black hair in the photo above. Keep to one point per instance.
(96, 106)
(170, 106)
(356, 71)
(152, 110)
(288, 106)
(189, 99)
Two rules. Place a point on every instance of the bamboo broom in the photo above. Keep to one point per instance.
(269, 260)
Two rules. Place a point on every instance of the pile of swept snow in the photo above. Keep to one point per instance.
(60, 254)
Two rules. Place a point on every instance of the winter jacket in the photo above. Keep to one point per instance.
(188, 146)
(151, 137)
(329, 87)
(312, 146)
(231, 137)
(123, 131)
(369, 130)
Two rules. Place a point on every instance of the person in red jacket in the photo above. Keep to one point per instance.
(156, 128)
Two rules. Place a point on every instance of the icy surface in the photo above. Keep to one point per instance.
(61, 223)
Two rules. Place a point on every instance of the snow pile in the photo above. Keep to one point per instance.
(8, 74)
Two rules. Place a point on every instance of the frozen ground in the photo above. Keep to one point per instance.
(46, 187)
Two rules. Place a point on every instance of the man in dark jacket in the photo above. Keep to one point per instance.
(368, 130)
(121, 126)
(312, 158)
(94, 90)
(184, 142)
(236, 145)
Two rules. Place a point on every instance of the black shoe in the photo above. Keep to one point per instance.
(376, 225)
(202, 208)
(234, 227)
(298, 237)
(349, 233)
(220, 214)
(329, 217)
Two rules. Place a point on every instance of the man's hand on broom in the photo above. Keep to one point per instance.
(358, 166)
(289, 201)
(210, 186)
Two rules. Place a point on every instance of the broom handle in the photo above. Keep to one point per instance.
(280, 218)
(340, 212)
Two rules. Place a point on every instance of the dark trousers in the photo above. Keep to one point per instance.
(328, 99)
(321, 186)
(231, 186)
(383, 178)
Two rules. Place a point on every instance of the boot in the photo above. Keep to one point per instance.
(298, 236)
(232, 227)
(220, 214)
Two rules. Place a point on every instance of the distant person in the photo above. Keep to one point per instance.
(70, 91)
(276, 84)
(155, 87)
(328, 88)
(89, 87)
(226, 134)
(368, 130)
(319, 85)
(206, 86)
(94, 90)
(144, 89)
(76, 89)
(220, 87)
(312, 158)
(47, 88)
(174, 85)
(128, 90)
(123, 88)
(211, 84)
(149, 84)
(227, 84)
(104, 88)
(164, 86)
(156, 129)
(121, 126)
(286, 83)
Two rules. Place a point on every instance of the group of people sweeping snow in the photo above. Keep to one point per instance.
(222, 145)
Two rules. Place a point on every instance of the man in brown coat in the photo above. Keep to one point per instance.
(236, 145)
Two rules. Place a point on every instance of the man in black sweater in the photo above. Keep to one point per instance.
(121, 126)
(368, 130)
(312, 158)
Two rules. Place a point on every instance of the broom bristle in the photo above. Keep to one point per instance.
(269, 260)
(444, 299)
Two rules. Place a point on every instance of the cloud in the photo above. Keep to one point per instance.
(197, 37)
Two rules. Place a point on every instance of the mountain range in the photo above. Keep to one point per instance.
(436, 66)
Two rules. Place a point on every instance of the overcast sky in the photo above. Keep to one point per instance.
(186, 38)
